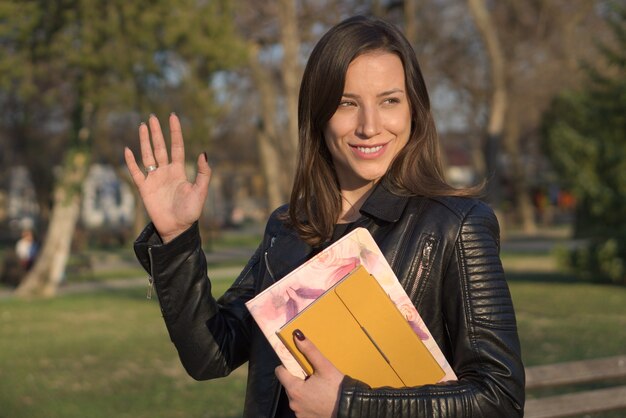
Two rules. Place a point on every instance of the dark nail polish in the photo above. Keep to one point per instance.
(206, 157)
(298, 334)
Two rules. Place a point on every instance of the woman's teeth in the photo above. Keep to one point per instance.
(369, 150)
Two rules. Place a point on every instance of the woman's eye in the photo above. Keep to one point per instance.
(392, 100)
(346, 103)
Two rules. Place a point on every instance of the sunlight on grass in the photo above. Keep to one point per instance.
(101, 355)
(108, 353)
(561, 322)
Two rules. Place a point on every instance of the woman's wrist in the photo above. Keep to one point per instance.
(172, 235)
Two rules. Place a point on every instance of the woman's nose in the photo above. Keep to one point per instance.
(369, 123)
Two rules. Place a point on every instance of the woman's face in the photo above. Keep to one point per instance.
(373, 121)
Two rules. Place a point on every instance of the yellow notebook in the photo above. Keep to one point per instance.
(361, 331)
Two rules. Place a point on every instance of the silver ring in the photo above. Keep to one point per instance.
(151, 168)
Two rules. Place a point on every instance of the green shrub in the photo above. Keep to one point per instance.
(583, 137)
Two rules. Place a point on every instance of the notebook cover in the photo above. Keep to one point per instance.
(279, 303)
(362, 332)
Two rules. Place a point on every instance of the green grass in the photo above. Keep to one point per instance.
(569, 321)
(108, 354)
(560, 318)
(101, 355)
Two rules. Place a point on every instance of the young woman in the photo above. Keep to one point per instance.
(368, 157)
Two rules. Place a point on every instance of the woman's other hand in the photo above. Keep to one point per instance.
(318, 395)
(171, 200)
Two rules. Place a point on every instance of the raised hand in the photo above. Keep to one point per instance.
(318, 395)
(172, 201)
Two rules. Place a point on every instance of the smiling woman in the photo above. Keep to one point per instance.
(368, 157)
(370, 127)
(362, 87)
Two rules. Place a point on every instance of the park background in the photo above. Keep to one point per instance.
(530, 96)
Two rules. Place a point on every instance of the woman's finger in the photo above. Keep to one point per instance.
(319, 362)
(178, 146)
(158, 142)
(204, 175)
(133, 168)
(147, 157)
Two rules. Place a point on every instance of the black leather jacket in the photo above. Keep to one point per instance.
(445, 253)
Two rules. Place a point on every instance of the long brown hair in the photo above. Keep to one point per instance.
(315, 202)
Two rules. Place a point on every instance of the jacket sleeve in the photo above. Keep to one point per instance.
(482, 332)
(212, 336)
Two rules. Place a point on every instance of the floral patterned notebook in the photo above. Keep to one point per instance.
(279, 303)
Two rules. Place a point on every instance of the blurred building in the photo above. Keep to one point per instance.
(20, 207)
(108, 206)
(107, 201)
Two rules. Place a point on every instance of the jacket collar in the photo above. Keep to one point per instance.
(287, 251)
(384, 204)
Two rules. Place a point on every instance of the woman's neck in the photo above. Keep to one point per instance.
(351, 202)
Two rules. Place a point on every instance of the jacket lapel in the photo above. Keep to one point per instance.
(384, 205)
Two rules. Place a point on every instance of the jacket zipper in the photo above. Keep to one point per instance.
(278, 385)
(150, 278)
(269, 270)
(423, 266)
(276, 399)
(267, 264)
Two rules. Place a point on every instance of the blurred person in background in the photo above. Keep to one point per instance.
(26, 249)
(369, 158)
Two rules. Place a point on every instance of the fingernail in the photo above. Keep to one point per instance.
(298, 334)
(206, 157)
(141, 124)
(173, 114)
(152, 115)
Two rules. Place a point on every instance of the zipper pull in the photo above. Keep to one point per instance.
(428, 248)
(150, 278)
(150, 286)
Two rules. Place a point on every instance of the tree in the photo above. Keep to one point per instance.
(276, 82)
(540, 42)
(98, 60)
(276, 32)
(584, 137)
(499, 92)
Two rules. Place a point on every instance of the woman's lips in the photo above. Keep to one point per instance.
(368, 152)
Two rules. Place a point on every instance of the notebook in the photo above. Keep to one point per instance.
(361, 331)
(278, 304)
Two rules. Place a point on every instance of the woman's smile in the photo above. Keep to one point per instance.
(368, 151)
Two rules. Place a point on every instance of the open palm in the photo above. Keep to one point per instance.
(172, 201)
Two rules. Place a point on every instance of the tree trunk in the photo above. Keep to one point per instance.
(140, 217)
(499, 95)
(377, 8)
(269, 151)
(523, 206)
(290, 41)
(271, 167)
(410, 21)
(48, 272)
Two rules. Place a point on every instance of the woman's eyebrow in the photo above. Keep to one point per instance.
(384, 93)
(388, 92)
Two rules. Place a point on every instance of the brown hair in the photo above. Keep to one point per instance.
(315, 201)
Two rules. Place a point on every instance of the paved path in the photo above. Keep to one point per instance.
(104, 262)
(513, 243)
